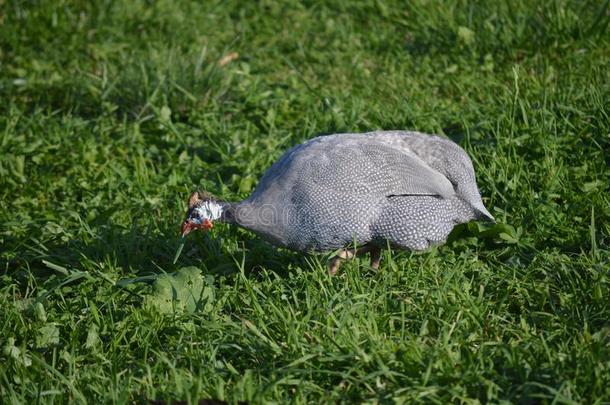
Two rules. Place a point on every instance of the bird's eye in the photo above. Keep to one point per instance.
(194, 216)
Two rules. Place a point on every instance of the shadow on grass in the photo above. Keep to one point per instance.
(141, 251)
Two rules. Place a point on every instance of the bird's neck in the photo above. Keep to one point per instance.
(227, 212)
(264, 220)
(243, 213)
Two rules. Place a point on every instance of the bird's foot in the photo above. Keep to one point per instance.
(375, 257)
(334, 264)
(347, 254)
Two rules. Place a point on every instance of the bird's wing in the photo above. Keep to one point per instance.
(373, 168)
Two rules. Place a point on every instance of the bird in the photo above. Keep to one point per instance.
(355, 193)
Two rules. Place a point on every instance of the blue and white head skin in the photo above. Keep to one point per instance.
(203, 210)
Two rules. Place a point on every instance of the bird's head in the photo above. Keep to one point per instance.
(203, 210)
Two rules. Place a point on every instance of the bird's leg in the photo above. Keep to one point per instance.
(375, 257)
(345, 254)
(333, 265)
(335, 261)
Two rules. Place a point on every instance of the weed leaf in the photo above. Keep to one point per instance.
(185, 291)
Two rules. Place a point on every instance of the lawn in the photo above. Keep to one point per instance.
(112, 112)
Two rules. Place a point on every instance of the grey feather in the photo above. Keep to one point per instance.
(332, 191)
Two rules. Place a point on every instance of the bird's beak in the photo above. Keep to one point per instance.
(188, 226)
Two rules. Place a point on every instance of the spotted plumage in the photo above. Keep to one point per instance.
(333, 192)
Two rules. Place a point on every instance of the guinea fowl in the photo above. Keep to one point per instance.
(355, 192)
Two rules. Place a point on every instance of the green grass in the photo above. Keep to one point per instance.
(112, 112)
